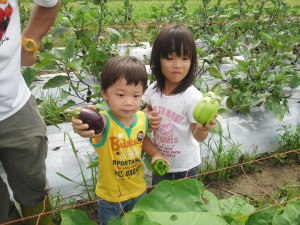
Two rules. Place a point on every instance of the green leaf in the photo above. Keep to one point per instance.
(290, 215)
(56, 81)
(64, 94)
(29, 73)
(115, 35)
(221, 40)
(74, 217)
(175, 192)
(191, 218)
(273, 105)
(236, 207)
(66, 105)
(267, 38)
(69, 50)
(139, 217)
(175, 203)
(93, 54)
(245, 52)
(263, 217)
(295, 81)
(215, 72)
(242, 63)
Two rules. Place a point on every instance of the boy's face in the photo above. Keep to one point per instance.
(124, 100)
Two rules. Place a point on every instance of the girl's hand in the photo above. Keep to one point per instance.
(208, 126)
(200, 131)
(154, 120)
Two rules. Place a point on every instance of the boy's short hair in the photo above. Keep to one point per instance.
(129, 68)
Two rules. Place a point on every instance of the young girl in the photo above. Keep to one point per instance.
(121, 180)
(170, 102)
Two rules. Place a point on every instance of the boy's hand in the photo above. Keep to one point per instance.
(157, 156)
(82, 128)
(154, 120)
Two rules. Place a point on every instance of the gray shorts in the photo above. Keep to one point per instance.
(23, 150)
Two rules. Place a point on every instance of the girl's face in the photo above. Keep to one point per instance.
(124, 100)
(175, 68)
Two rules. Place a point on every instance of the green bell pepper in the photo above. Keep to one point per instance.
(160, 167)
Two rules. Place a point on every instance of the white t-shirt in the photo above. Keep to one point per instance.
(174, 137)
(14, 92)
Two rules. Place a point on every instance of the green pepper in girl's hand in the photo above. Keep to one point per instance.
(160, 167)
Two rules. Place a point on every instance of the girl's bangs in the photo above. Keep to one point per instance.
(180, 44)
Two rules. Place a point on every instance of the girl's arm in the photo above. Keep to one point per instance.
(154, 119)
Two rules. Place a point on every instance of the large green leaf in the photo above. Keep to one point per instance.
(236, 209)
(176, 202)
(75, 217)
(263, 217)
(138, 217)
(290, 215)
(174, 196)
(190, 218)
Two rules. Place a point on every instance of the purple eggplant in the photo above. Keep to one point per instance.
(90, 117)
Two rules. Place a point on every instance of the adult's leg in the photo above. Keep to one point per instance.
(5, 201)
(23, 152)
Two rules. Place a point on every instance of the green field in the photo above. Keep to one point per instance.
(141, 7)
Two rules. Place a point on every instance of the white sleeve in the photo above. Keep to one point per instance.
(148, 93)
(46, 3)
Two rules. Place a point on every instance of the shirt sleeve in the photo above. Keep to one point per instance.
(46, 3)
(146, 96)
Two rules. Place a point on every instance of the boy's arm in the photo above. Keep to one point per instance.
(40, 21)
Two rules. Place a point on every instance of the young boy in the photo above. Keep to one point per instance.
(119, 146)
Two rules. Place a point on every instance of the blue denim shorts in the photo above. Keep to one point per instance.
(193, 173)
(110, 210)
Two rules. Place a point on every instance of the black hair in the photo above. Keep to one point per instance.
(178, 39)
(129, 68)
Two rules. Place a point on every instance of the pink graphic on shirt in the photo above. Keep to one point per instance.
(5, 14)
(166, 138)
(166, 129)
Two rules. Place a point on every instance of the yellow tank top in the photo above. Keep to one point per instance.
(121, 171)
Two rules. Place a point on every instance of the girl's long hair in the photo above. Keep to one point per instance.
(178, 39)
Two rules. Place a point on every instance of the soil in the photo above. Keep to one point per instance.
(270, 180)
